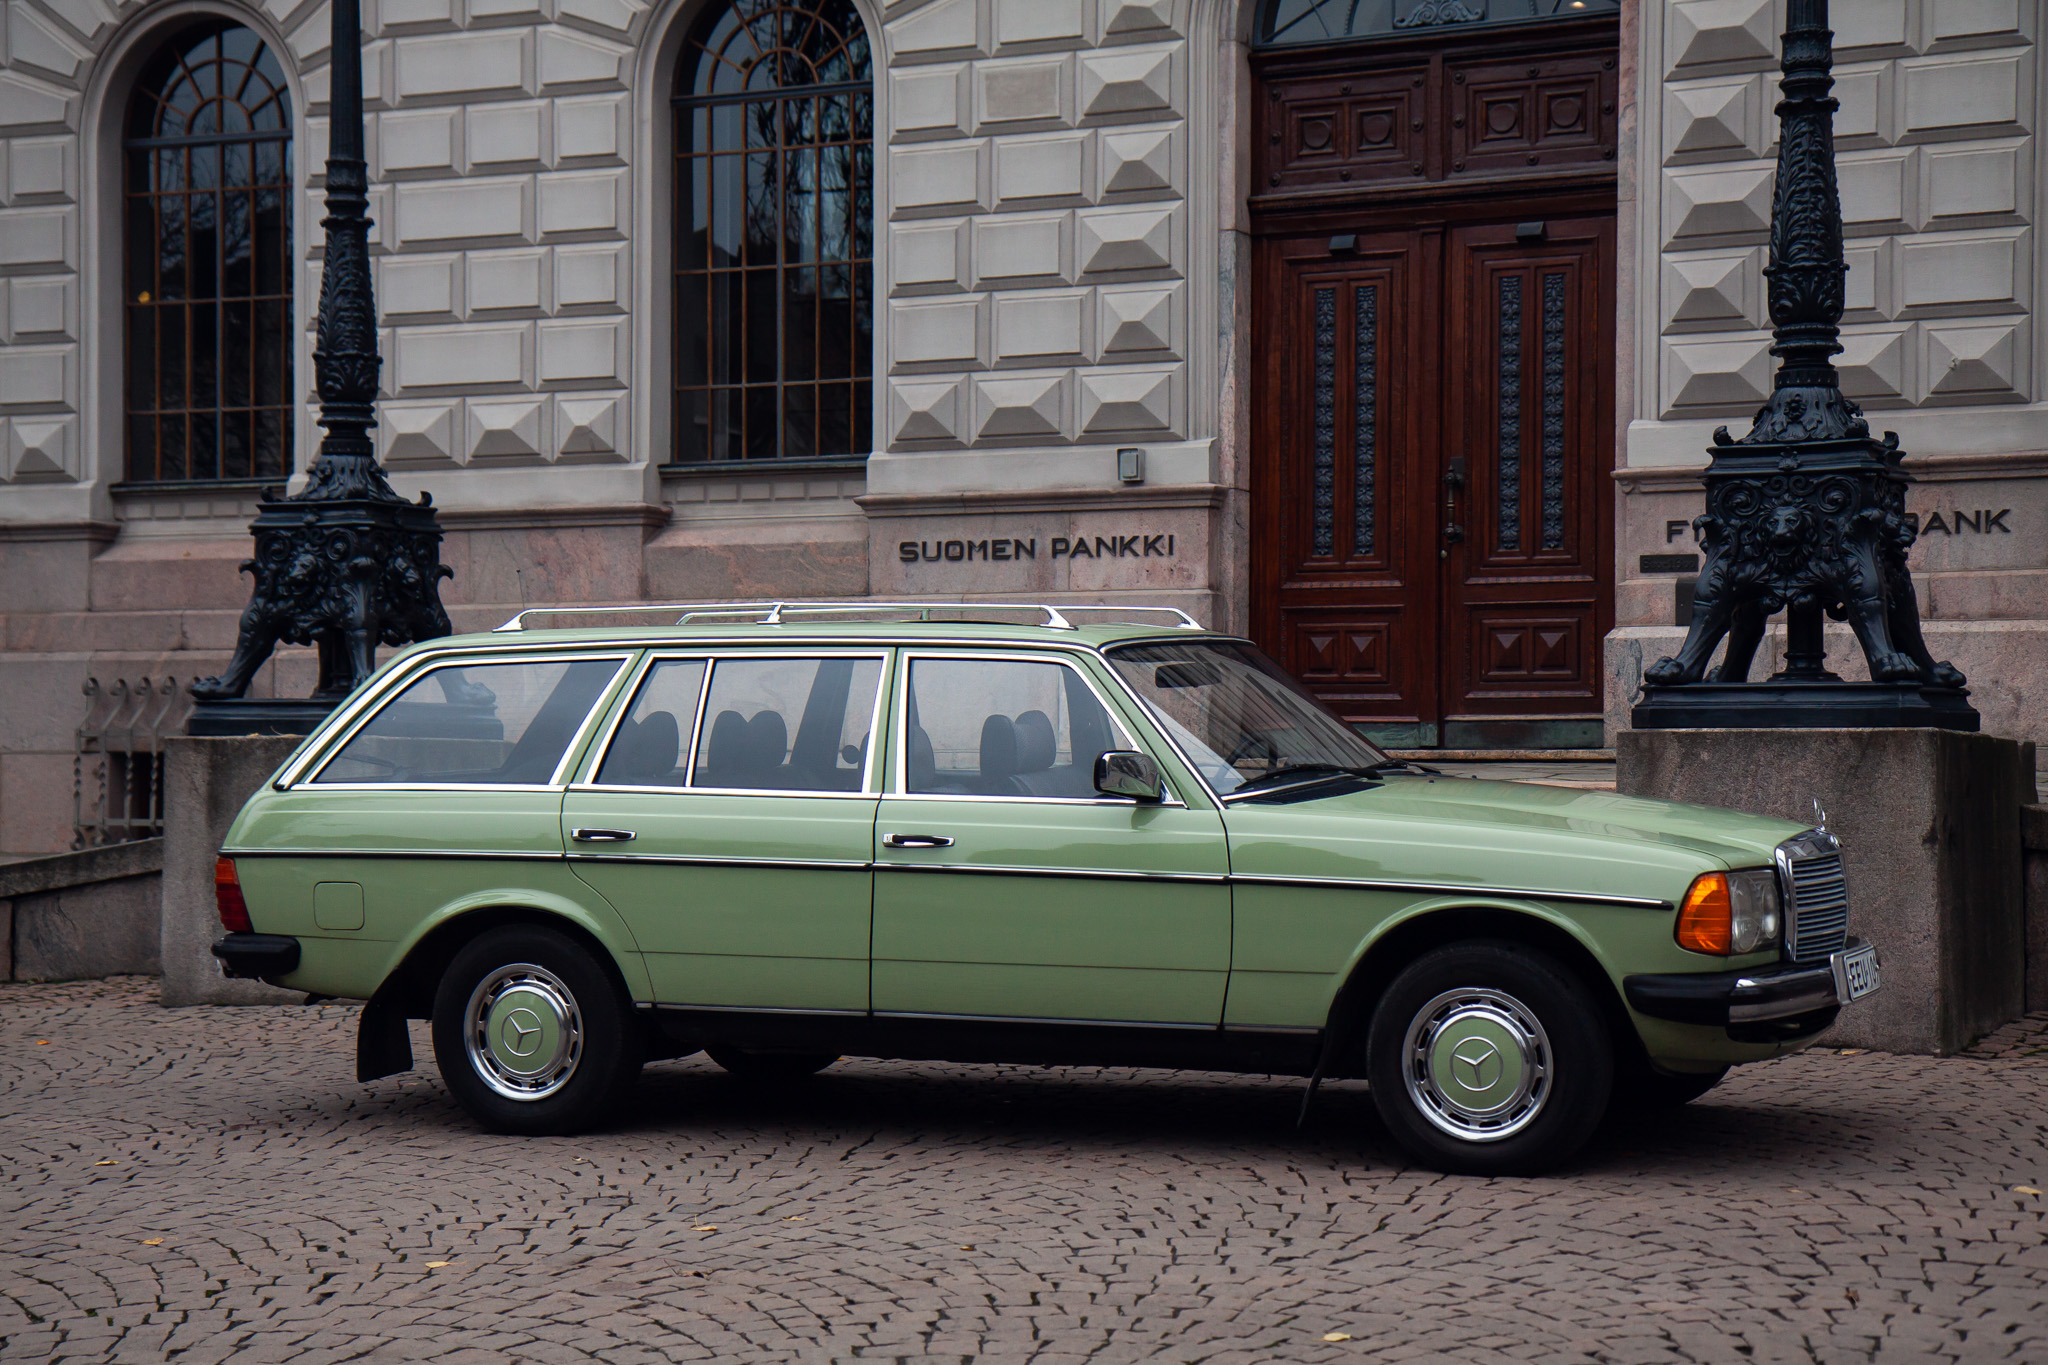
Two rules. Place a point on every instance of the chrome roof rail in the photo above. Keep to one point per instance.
(777, 613)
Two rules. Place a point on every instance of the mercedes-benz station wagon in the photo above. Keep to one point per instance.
(1106, 836)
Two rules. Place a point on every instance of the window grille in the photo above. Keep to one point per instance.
(774, 224)
(1287, 22)
(208, 261)
(117, 770)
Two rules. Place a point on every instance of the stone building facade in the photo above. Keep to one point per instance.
(1390, 333)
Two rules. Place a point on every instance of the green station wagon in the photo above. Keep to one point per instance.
(782, 834)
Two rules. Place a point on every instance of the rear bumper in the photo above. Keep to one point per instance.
(1762, 1004)
(257, 957)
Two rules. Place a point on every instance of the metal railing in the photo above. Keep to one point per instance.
(117, 770)
(780, 613)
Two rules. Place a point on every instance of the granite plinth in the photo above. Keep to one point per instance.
(1804, 705)
(297, 716)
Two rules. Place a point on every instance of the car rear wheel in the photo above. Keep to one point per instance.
(532, 1034)
(1489, 1058)
(769, 1066)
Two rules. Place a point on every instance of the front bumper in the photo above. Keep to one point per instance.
(1760, 1004)
(257, 957)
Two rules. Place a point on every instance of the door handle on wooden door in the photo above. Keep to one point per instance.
(1454, 484)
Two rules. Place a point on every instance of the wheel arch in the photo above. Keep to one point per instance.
(409, 986)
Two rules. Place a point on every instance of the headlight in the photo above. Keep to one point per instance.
(1726, 913)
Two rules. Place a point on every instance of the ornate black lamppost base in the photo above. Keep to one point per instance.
(1812, 705)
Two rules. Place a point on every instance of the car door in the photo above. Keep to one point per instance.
(729, 816)
(1007, 887)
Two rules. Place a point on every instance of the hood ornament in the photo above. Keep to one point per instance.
(1820, 816)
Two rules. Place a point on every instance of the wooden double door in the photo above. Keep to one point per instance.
(1432, 516)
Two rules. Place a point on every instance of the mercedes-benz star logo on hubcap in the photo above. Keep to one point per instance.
(522, 1032)
(1476, 1063)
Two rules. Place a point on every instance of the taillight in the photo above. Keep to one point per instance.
(227, 895)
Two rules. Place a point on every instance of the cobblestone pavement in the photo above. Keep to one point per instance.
(209, 1184)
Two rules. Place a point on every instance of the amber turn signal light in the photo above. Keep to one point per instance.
(227, 897)
(1706, 919)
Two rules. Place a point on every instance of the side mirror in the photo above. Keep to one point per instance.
(1126, 772)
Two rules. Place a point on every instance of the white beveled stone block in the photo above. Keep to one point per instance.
(1871, 286)
(1127, 239)
(39, 306)
(1985, 359)
(929, 101)
(419, 435)
(508, 432)
(28, 103)
(928, 256)
(1123, 82)
(588, 427)
(1040, 21)
(1701, 31)
(42, 450)
(1138, 20)
(37, 376)
(580, 351)
(42, 167)
(1128, 401)
(32, 237)
(589, 277)
(1143, 161)
(586, 202)
(1716, 373)
(939, 331)
(502, 137)
(1969, 179)
(591, 128)
(927, 409)
(1024, 246)
(1023, 90)
(1948, 20)
(1041, 326)
(1724, 116)
(1039, 168)
(616, 15)
(1958, 271)
(1138, 319)
(33, 41)
(1880, 189)
(1709, 287)
(1873, 362)
(465, 64)
(398, 16)
(483, 12)
(573, 59)
(1965, 90)
(1869, 103)
(410, 286)
(947, 178)
(88, 17)
(500, 280)
(1871, 23)
(415, 140)
(454, 357)
(1717, 202)
(943, 28)
(473, 210)
(1020, 405)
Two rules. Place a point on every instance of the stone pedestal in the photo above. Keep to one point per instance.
(2034, 833)
(206, 781)
(1930, 828)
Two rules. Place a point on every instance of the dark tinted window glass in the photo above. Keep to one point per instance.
(492, 724)
(787, 724)
(651, 748)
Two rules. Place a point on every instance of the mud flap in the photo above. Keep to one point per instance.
(383, 1046)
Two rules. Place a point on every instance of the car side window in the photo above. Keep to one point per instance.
(787, 724)
(1003, 727)
(649, 749)
(500, 724)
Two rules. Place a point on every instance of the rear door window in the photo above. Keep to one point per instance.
(652, 745)
(492, 724)
(787, 724)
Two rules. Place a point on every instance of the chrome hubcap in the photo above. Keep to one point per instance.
(523, 1032)
(1478, 1064)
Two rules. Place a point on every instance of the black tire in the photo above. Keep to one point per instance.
(769, 1066)
(523, 981)
(1640, 1090)
(1538, 1084)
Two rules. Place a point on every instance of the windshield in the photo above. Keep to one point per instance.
(1240, 719)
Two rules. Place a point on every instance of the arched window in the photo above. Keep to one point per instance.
(208, 261)
(774, 234)
(1285, 22)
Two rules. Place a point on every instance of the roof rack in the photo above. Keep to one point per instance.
(777, 613)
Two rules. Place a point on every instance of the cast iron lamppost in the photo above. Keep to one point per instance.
(1807, 513)
(347, 562)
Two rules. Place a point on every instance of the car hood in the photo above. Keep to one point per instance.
(1471, 832)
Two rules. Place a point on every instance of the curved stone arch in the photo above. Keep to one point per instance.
(659, 39)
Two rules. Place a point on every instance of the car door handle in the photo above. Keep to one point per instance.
(916, 841)
(601, 836)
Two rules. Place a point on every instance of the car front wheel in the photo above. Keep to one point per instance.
(1489, 1058)
(532, 1034)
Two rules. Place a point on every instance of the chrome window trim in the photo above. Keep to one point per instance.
(1442, 889)
(521, 854)
(298, 776)
(907, 657)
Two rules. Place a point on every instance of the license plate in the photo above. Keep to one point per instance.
(1856, 973)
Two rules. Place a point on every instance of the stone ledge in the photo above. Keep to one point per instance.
(61, 871)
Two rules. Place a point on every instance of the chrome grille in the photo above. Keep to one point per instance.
(1818, 899)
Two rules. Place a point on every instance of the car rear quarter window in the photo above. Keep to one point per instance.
(494, 724)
